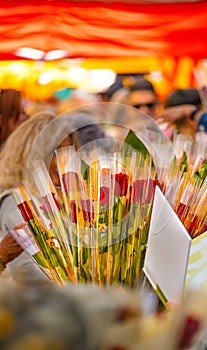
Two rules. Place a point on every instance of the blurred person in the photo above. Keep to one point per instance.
(119, 96)
(15, 162)
(184, 112)
(183, 97)
(107, 95)
(188, 115)
(123, 117)
(13, 172)
(142, 95)
(84, 129)
(12, 113)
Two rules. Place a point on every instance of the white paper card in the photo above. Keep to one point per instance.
(168, 250)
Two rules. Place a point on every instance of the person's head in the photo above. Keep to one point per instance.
(183, 97)
(11, 113)
(83, 129)
(16, 151)
(28, 143)
(142, 96)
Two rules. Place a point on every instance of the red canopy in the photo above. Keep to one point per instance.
(104, 29)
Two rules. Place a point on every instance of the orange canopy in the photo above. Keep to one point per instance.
(104, 29)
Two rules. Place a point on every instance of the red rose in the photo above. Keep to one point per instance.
(88, 209)
(182, 211)
(47, 203)
(136, 191)
(193, 224)
(73, 214)
(151, 190)
(121, 184)
(104, 195)
(71, 181)
(57, 202)
(25, 211)
(142, 191)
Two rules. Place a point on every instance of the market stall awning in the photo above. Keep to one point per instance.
(103, 29)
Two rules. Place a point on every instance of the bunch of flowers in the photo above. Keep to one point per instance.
(186, 183)
(95, 227)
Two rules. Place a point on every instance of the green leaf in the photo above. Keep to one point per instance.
(84, 170)
(202, 171)
(133, 141)
(40, 259)
(85, 255)
(184, 162)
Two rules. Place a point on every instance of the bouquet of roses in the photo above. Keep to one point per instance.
(95, 227)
